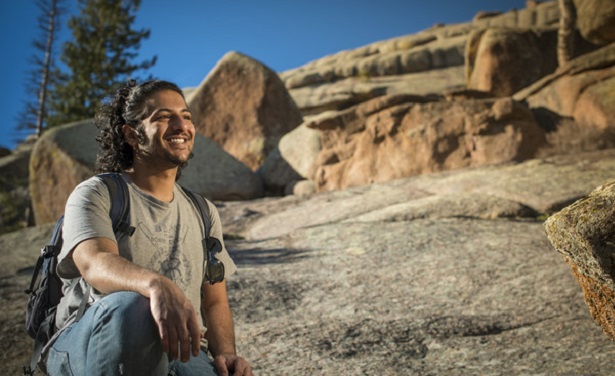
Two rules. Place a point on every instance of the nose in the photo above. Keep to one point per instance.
(179, 123)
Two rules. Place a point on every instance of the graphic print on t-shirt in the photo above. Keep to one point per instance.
(166, 257)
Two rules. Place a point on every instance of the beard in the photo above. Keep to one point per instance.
(157, 153)
(177, 160)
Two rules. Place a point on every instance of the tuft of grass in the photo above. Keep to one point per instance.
(231, 236)
(542, 217)
(14, 206)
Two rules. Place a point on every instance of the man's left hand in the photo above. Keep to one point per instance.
(232, 364)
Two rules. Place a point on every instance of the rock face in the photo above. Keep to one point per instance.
(243, 106)
(502, 61)
(583, 233)
(448, 274)
(64, 156)
(597, 27)
(428, 62)
(576, 103)
(398, 136)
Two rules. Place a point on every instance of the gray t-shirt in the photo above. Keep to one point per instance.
(168, 239)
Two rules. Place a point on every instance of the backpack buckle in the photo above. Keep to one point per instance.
(48, 250)
(125, 228)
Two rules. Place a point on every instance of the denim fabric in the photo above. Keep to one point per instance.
(118, 336)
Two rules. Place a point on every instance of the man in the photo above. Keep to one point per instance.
(151, 312)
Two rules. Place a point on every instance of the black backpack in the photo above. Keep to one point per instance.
(45, 290)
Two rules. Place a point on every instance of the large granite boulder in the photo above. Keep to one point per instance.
(65, 156)
(502, 61)
(596, 20)
(62, 158)
(398, 136)
(277, 174)
(583, 233)
(217, 175)
(292, 161)
(244, 107)
(300, 148)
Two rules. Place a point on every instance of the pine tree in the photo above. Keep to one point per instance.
(101, 53)
(40, 77)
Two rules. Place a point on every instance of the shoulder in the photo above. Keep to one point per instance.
(195, 200)
(92, 190)
(188, 194)
(93, 185)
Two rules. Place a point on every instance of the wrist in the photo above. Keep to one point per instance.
(155, 285)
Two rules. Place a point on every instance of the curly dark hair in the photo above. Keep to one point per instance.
(125, 106)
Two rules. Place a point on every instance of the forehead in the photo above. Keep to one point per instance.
(165, 99)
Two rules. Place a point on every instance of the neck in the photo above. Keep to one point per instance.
(157, 183)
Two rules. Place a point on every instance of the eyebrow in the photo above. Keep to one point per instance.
(170, 110)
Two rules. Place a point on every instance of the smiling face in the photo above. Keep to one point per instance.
(167, 133)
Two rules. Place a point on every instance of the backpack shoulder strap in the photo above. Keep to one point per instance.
(214, 269)
(203, 208)
(120, 202)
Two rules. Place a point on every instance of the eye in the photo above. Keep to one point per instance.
(162, 117)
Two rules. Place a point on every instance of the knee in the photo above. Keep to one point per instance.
(127, 303)
(129, 312)
(126, 335)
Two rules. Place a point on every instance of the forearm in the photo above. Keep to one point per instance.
(220, 334)
(103, 268)
(218, 319)
(107, 271)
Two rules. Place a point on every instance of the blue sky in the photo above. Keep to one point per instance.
(190, 36)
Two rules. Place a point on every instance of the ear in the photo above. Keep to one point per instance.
(130, 134)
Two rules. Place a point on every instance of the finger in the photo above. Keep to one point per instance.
(173, 343)
(160, 317)
(184, 345)
(247, 372)
(195, 335)
(220, 363)
(242, 368)
(164, 336)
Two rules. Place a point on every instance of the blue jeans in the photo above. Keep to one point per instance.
(118, 336)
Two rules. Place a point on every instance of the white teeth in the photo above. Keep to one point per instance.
(177, 140)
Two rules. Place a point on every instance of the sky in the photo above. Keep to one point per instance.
(190, 36)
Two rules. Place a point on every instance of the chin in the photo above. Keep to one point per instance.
(178, 160)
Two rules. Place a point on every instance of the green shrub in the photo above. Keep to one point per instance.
(14, 208)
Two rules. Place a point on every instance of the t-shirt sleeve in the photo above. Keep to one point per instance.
(216, 232)
(86, 216)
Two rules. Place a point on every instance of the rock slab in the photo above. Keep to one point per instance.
(443, 274)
